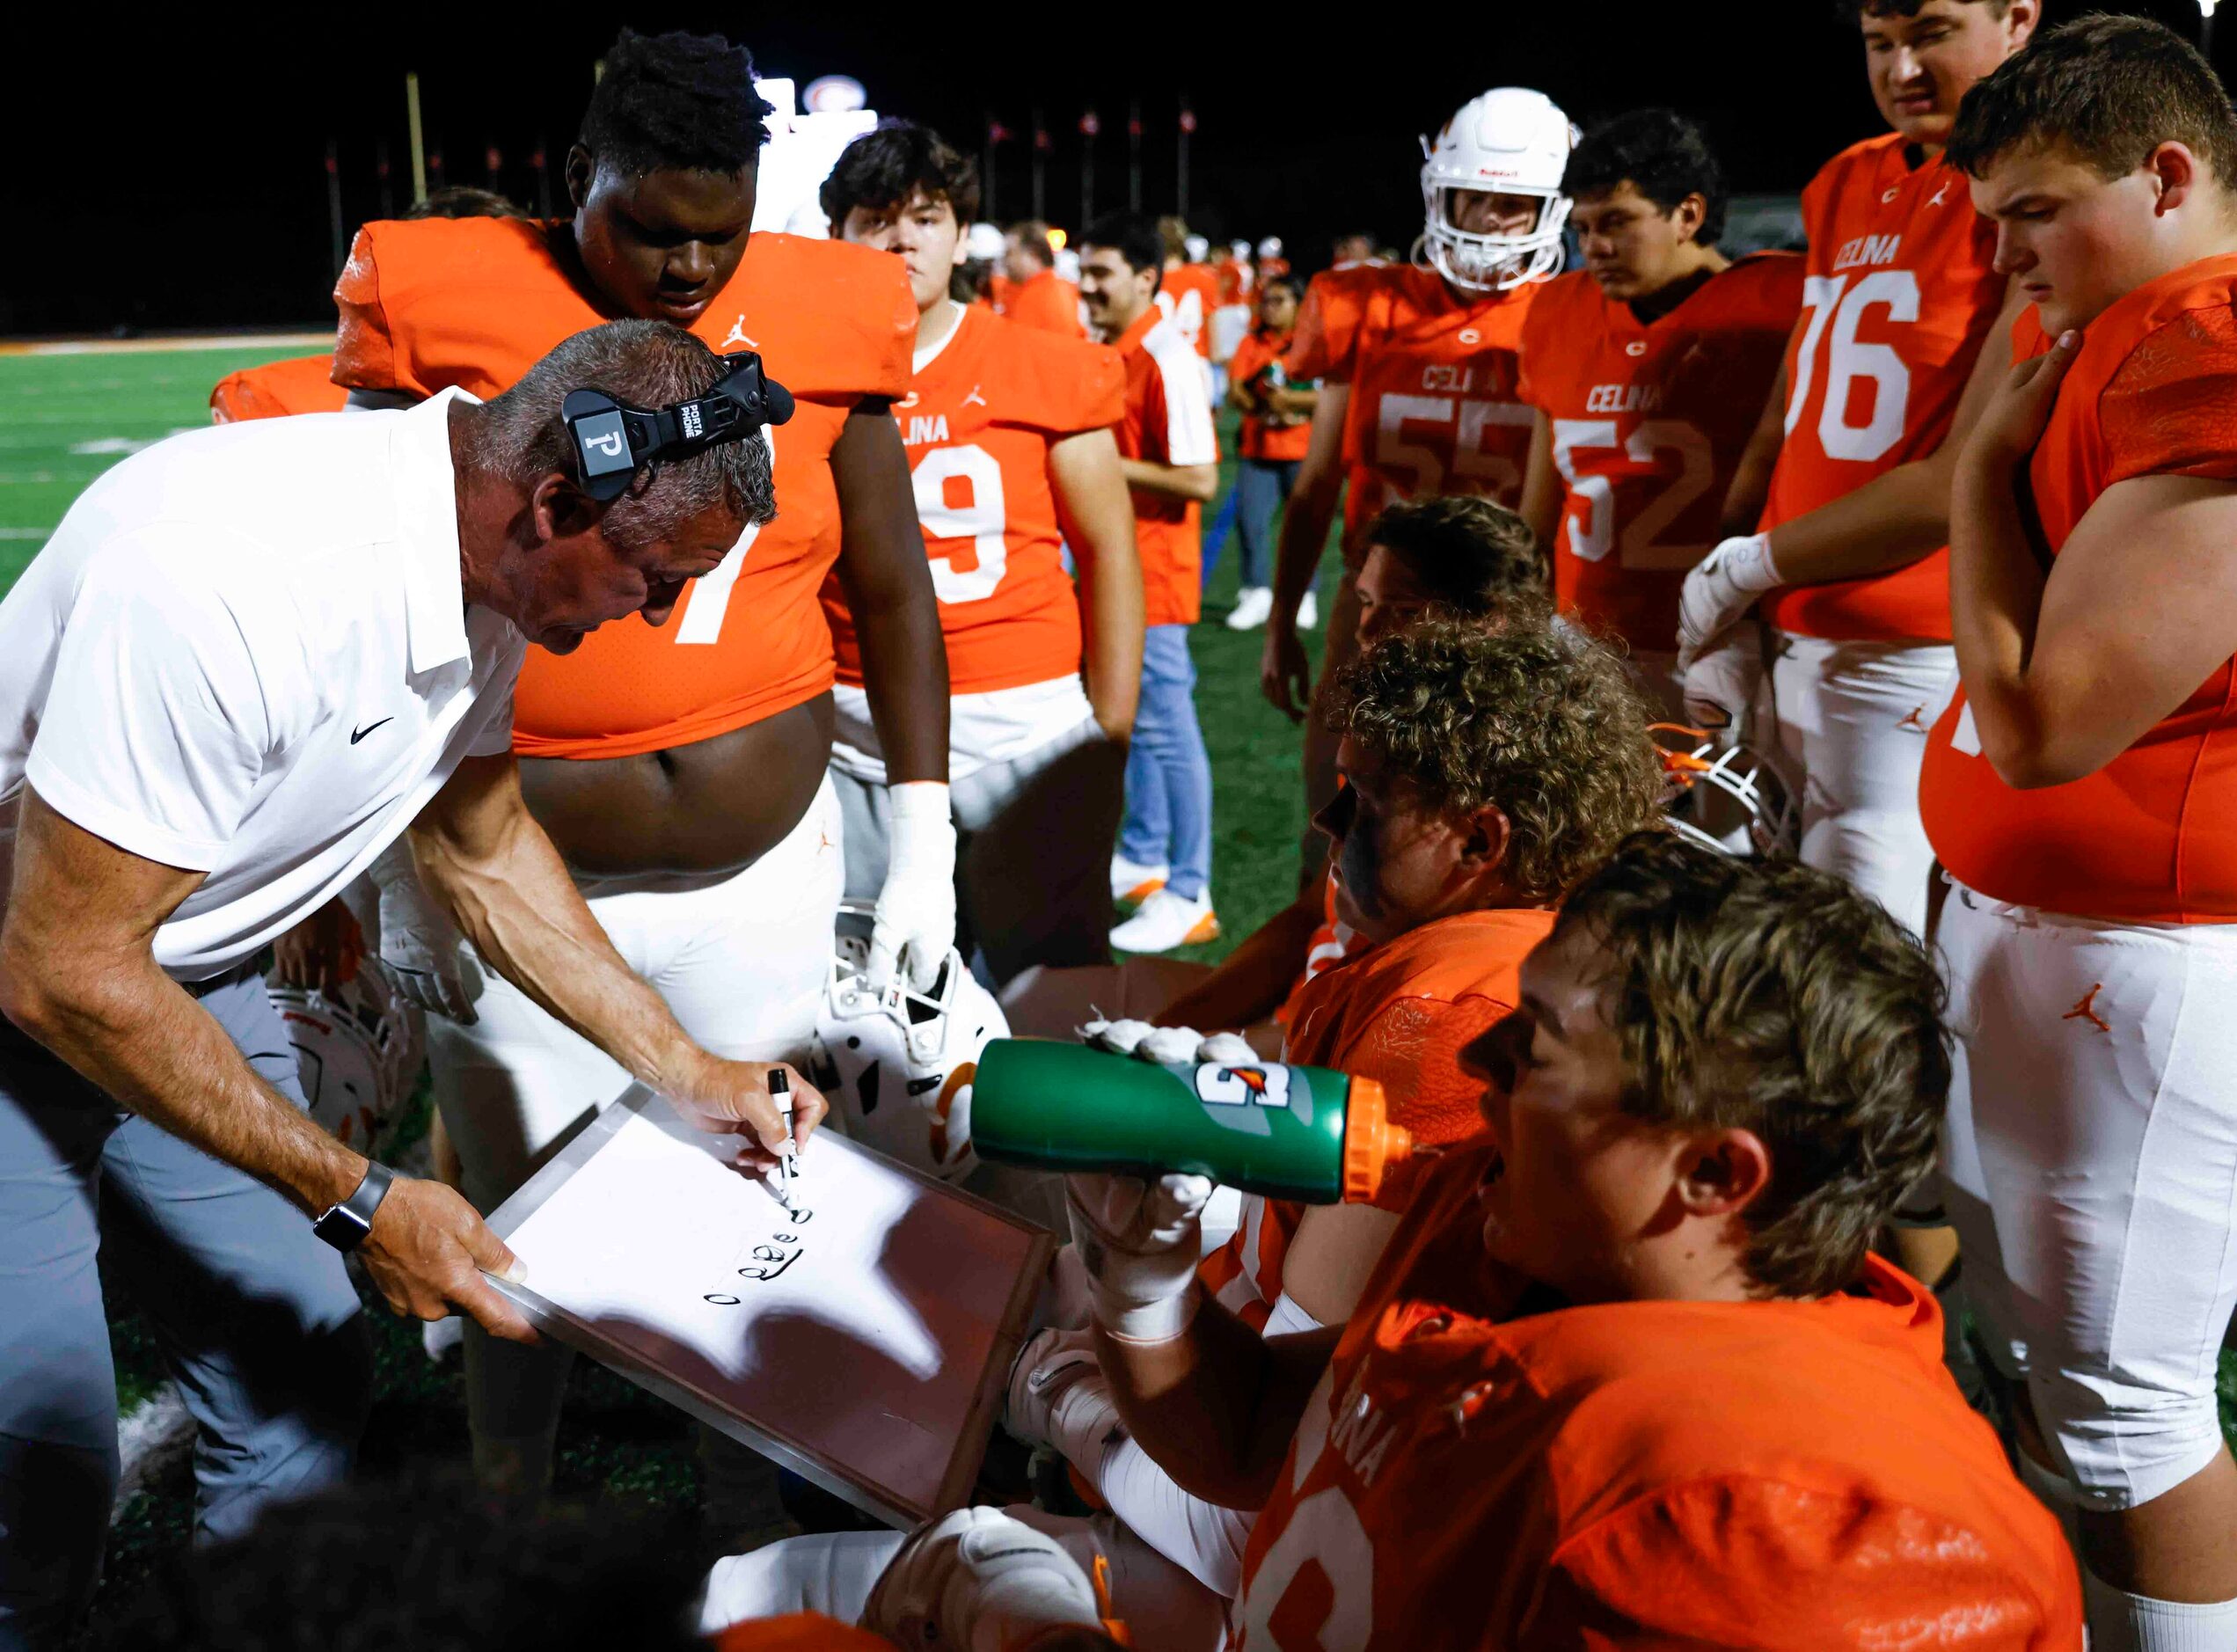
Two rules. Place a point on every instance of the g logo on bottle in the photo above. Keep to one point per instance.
(1266, 1086)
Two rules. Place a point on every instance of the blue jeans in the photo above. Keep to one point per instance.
(1168, 773)
(256, 1319)
(1261, 487)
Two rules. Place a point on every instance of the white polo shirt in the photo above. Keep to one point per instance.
(245, 653)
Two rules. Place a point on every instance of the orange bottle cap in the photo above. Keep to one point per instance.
(1373, 1143)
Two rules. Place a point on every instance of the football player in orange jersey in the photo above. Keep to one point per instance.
(1627, 1375)
(1008, 429)
(1645, 368)
(2079, 791)
(683, 771)
(1486, 771)
(1031, 292)
(1841, 505)
(305, 383)
(1418, 368)
(1189, 291)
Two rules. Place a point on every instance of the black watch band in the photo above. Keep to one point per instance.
(344, 1226)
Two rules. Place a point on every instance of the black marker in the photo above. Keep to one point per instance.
(781, 1092)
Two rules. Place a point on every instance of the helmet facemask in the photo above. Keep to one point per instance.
(1511, 141)
(1484, 263)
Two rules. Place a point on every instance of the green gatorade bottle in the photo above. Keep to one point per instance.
(1302, 1133)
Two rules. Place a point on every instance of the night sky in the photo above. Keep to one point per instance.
(174, 175)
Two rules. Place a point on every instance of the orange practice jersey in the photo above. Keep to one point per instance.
(1046, 301)
(2151, 837)
(475, 302)
(1257, 439)
(300, 385)
(1190, 295)
(1435, 407)
(978, 422)
(798, 1632)
(1648, 422)
(1901, 293)
(1472, 1475)
(1168, 421)
(1401, 1013)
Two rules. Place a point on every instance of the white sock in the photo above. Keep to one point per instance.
(2122, 1622)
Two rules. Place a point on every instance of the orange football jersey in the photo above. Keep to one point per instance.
(1333, 943)
(1257, 439)
(1046, 301)
(1399, 1013)
(275, 390)
(475, 302)
(1902, 291)
(978, 422)
(1190, 295)
(2151, 837)
(1433, 405)
(1168, 421)
(1648, 423)
(1481, 1468)
(798, 1632)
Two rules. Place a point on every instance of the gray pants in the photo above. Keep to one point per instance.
(256, 1319)
(1033, 852)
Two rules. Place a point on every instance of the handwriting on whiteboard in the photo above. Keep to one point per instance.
(767, 1261)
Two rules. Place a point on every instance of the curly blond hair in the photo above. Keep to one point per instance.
(1539, 721)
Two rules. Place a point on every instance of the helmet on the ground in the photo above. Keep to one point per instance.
(898, 1064)
(1509, 141)
(1733, 799)
(357, 1050)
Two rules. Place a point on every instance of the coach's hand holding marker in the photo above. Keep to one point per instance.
(915, 923)
(767, 1102)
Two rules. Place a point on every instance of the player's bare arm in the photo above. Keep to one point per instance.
(484, 859)
(1751, 484)
(889, 585)
(1217, 1407)
(1901, 515)
(1197, 482)
(1285, 676)
(77, 972)
(1542, 489)
(1091, 488)
(2063, 672)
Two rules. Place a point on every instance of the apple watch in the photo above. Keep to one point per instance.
(344, 1226)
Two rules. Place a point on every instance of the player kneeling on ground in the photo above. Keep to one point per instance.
(1627, 1373)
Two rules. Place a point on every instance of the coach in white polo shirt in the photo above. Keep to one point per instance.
(247, 660)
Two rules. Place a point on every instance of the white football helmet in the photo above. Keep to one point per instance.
(1729, 797)
(1195, 248)
(1510, 141)
(357, 1051)
(898, 1064)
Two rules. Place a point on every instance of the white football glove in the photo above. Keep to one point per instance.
(915, 923)
(977, 1580)
(1168, 1045)
(1722, 685)
(422, 954)
(1059, 1397)
(1721, 589)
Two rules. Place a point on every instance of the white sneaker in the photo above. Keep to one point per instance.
(1133, 883)
(1308, 612)
(1253, 605)
(1165, 921)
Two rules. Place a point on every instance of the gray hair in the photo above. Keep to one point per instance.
(520, 436)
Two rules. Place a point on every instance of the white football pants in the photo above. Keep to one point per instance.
(1852, 719)
(2091, 1158)
(742, 958)
(833, 1573)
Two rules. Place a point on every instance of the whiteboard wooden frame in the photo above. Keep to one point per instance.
(854, 1484)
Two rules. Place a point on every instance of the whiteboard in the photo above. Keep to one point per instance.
(857, 1330)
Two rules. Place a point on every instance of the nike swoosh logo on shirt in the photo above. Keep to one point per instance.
(359, 733)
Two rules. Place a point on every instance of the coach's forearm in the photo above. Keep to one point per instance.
(129, 1028)
(511, 894)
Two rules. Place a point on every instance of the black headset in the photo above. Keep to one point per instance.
(614, 439)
